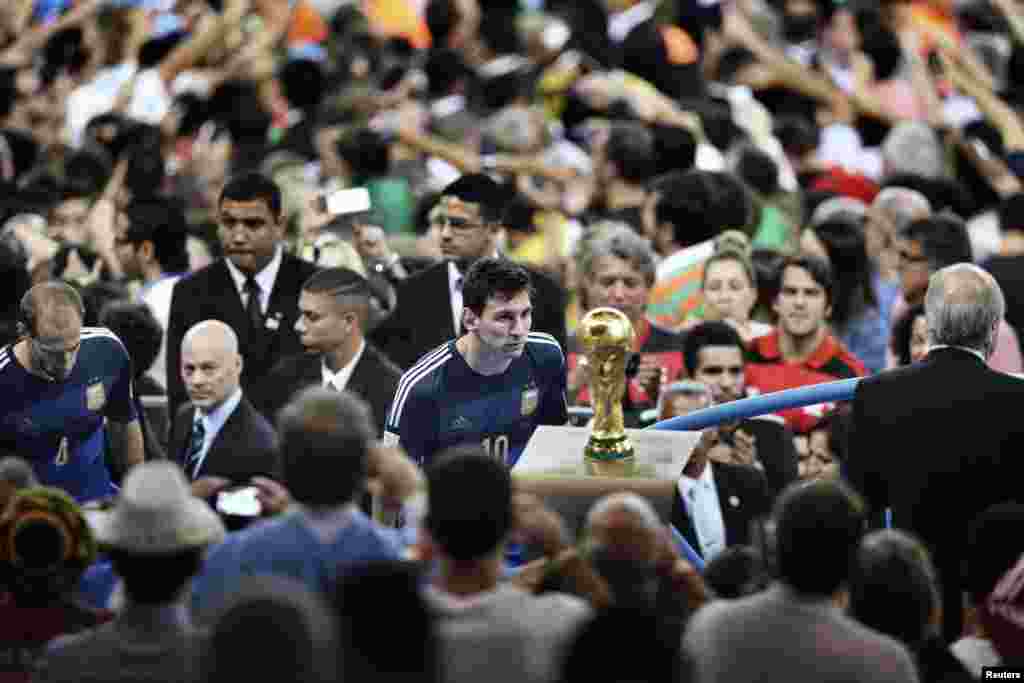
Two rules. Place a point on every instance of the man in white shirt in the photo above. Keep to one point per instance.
(150, 243)
(716, 503)
(334, 306)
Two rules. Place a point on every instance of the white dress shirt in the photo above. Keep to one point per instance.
(455, 294)
(213, 422)
(701, 499)
(339, 380)
(265, 279)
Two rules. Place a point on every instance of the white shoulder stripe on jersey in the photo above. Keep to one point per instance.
(411, 377)
(426, 358)
(403, 391)
(541, 338)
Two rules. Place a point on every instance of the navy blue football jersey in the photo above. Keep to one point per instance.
(442, 402)
(59, 426)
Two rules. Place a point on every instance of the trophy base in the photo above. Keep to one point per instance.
(609, 457)
(620, 468)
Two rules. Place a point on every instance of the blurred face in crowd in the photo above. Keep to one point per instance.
(842, 34)
(918, 338)
(801, 305)
(817, 460)
(914, 270)
(617, 283)
(721, 369)
(728, 292)
(503, 325)
(55, 341)
(464, 235)
(211, 368)
(324, 324)
(67, 221)
(130, 254)
(249, 233)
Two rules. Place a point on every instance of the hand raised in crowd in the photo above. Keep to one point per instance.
(372, 244)
(273, 496)
(207, 487)
(392, 478)
(651, 375)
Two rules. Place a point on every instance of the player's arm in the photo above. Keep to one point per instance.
(122, 419)
(411, 424)
(127, 441)
(554, 409)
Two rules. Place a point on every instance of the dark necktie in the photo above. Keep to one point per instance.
(195, 447)
(252, 306)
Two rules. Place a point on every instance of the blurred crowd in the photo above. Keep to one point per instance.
(259, 196)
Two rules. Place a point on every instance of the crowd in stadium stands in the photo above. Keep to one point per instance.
(289, 285)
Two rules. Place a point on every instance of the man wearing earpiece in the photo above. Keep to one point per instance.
(60, 384)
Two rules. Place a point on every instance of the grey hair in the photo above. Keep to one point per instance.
(621, 242)
(902, 205)
(17, 472)
(625, 501)
(228, 337)
(963, 305)
(913, 148)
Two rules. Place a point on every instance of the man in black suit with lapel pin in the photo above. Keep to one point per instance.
(715, 504)
(334, 307)
(429, 308)
(217, 434)
(254, 288)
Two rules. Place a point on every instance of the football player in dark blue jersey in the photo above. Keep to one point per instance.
(60, 384)
(493, 385)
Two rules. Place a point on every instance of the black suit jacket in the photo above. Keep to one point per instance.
(742, 496)
(374, 379)
(938, 442)
(422, 319)
(210, 293)
(245, 447)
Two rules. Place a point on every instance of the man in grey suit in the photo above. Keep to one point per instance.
(156, 535)
(796, 630)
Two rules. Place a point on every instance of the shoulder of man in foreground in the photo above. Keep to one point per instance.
(880, 657)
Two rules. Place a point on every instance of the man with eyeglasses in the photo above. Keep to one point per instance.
(60, 384)
(926, 246)
(469, 217)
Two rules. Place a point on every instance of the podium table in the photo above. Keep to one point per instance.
(552, 468)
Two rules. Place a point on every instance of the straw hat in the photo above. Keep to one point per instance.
(156, 513)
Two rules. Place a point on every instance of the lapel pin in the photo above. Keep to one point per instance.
(734, 501)
(274, 321)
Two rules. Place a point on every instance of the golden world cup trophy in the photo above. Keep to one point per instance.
(607, 338)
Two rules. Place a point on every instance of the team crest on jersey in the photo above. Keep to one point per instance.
(95, 397)
(531, 397)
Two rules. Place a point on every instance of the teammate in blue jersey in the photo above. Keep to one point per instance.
(60, 384)
(493, 385)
